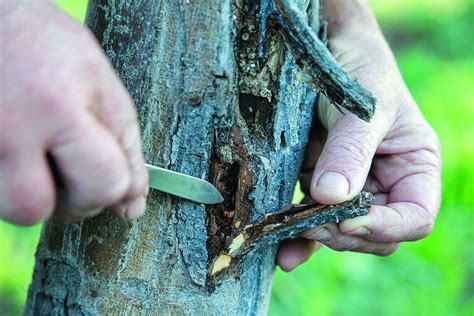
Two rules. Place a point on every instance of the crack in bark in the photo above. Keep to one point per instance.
(220, 216)
(324, 73)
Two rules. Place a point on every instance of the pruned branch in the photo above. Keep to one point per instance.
(326, 75)
(288, 223)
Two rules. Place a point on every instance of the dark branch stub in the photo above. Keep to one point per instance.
(288, 223)
(326, 75)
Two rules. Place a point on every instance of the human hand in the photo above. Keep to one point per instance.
(396, 156)
(69, 138)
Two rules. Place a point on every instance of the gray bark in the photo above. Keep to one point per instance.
(220, 97)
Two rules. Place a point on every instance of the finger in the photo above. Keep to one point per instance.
(345, 160)
(294, 252)
(119, 116)
(393, 223)
(411, 208)
(92, 167)
(131, 209)
(332, 237)
(412, 219)
(26, 187)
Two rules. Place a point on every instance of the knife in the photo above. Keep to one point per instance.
(182, 185)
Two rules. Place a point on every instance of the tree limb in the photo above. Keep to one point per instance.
(287, 223)
(325, 74)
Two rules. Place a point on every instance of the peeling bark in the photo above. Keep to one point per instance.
(293, 220)
(324, 73)
(219, 97)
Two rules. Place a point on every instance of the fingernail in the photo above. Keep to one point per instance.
(333, 181)
(84, 213)
(136, 209)
(94, 212)
(121, 209)
(147, 191)
(321, 234)
(361, 231)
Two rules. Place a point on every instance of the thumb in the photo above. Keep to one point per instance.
(344, 163)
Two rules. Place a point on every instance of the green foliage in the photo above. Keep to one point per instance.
(76, 8)
(434, 276)
(17, 246)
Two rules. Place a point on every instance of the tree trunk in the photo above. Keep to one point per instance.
(220, 96)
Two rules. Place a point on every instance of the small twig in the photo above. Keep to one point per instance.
(316, 60)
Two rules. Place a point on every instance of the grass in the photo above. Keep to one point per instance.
(434, 276)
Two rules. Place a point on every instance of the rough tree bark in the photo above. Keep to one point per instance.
(225, 91)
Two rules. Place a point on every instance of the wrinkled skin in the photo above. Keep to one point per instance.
(62, 104)
(396, 156)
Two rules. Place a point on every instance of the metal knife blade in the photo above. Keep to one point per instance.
(182, 185)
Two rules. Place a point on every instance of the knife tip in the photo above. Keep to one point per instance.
(217, 197)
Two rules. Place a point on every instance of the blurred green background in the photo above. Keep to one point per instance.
(433, 43)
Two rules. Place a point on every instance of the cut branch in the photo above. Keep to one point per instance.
(287, 223)
(325, 74)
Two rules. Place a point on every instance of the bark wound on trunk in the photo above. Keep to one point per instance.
(218, 97)
(259, 52)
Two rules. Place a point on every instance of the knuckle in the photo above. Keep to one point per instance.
(429, 146)
(32, 205)
(352, 147)
(115, 189)
(434, 148)
(430, 139)
(106, 190)
(55, 104)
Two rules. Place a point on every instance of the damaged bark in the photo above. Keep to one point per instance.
(287, 223)
(220, 97)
